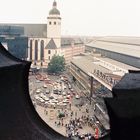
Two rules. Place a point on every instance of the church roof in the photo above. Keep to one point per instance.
(30, 30)
(51, 45)
(54, 10)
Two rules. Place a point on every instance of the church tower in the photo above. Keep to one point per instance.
(54, 25)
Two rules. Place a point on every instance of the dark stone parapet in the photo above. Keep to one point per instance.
(18, 117)
(124, 108)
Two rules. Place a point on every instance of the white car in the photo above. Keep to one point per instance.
(38, 90)
(46, 99)
(64, 93)
(64, 87)
(41, 100)
(36, 97)
(77, 96)
(47, 91)
(37, 81)
(42, 95)
(45, 86)
(65, 101)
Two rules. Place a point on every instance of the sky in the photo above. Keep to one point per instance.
(79, 17)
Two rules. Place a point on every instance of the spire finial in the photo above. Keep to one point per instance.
(54, 4)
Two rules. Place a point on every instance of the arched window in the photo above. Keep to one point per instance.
(42, 50)
(55, 23)
(49, 51)
(50, 23)
(36, 50)
(31, 43)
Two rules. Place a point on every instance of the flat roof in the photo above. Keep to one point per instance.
(117, 63)
(118, 47)
(86, 63)
(122, 39)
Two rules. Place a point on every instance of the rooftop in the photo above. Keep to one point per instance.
(119, 64)
(122, 45)
(93, 63)
(89, 64)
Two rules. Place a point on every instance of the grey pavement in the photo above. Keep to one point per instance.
(51, 117)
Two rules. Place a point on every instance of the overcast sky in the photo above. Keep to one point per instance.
(79, 17)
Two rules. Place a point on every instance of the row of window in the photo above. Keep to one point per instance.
(36, 50)
(50, 23)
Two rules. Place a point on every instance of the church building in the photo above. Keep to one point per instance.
(45, 40)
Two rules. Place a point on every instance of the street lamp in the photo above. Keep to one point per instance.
(42, 64)
(91, 86)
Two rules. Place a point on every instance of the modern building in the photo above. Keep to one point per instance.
(13, 40)
(105, 71)
(123, 49)
(95, 76)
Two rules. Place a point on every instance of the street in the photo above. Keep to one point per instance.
(78, 113)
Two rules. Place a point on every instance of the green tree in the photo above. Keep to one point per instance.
(57, 64)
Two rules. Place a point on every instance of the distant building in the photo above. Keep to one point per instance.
(122, 49)
(45, 41)
(42, 49)
(13, 40)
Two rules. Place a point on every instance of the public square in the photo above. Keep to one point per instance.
(61, 105)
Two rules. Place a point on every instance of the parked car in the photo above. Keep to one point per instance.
(51, 97)
(55, 91)
(37, 81)
(47, 91)
(72, 89)
(69, 86)
(45, 86)
(38, 90)
(77, 96)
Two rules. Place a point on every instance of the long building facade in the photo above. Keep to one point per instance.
(123, 49)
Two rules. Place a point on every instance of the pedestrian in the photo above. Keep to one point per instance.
(70, 106)
(75, 114)
(87, 110)
(55, 123)
(59, 123)
(71, 113)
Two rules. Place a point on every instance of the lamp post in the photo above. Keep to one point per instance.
(42, 65)
(91, 86)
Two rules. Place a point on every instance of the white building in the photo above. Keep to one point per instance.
(44, 40)
(44, 45)
(41, 49)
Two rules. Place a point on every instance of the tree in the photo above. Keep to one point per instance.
(57, 64)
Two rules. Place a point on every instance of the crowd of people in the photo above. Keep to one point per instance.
(74, 126)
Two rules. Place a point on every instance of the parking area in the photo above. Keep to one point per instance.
(61, 105)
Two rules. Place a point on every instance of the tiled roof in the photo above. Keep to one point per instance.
(51, 45)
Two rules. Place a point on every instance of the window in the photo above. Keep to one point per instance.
(50, 23)
(49, 57)
(42, 50)
(36, 50)
(31, 49)
(54, 23)
(49, 51)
